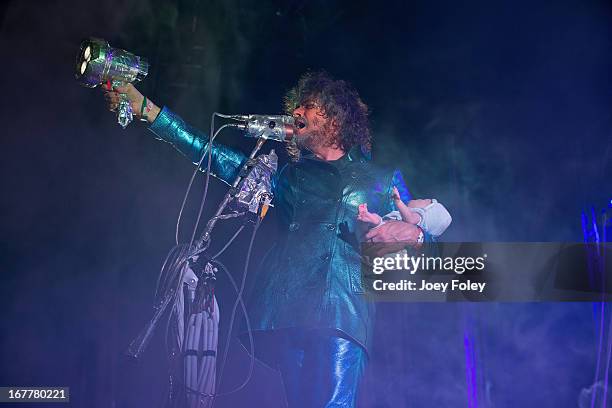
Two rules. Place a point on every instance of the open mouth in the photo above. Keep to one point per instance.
(300, 122)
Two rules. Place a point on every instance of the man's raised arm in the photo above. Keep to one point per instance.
(171, 128)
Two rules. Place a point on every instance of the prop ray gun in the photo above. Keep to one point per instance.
(99, 63)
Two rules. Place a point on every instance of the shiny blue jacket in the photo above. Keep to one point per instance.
(310, 278)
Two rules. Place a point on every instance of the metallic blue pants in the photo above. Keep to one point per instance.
(321, 371)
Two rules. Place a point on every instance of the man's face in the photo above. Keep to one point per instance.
(312, 125)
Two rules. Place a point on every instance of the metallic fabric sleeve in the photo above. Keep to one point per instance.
(193, 143)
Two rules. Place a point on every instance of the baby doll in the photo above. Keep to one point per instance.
(429, 215)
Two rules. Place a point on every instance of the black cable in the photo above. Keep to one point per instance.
(177, 272)
(211, 138)
(233, 315)
(209, 153)
(215, 256)
(159, 287)
(249, 331)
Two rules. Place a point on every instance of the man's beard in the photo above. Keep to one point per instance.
(312, 141)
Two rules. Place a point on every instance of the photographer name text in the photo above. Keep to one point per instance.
(424, 285)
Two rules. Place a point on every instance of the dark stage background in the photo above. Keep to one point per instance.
(501, 110)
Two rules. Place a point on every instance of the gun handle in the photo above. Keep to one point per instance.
(124, 111)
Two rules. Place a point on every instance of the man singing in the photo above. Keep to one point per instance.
(308, 311)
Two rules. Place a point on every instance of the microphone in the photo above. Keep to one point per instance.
(276, 127)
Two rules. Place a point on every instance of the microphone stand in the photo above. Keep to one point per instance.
(190, 293)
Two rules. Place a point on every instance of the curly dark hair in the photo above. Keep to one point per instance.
(340, 102)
